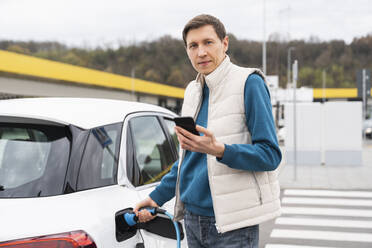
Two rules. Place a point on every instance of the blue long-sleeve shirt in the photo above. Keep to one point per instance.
(262, 155)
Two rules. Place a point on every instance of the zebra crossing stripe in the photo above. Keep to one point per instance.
(316, 204)
(327, 211)
(332, 193)
(321, 235)
(293, 246)
(324, 222)
(327, 201)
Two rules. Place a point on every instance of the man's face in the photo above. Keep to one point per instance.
(205, 50)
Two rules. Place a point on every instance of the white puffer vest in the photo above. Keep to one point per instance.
(240, 198)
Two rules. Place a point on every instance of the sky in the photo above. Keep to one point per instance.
(92, 23)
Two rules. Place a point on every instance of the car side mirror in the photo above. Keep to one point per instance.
(161, 226)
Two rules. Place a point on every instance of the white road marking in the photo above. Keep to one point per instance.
(357, 201)
(334, 193)
(294, 246)
(323, 222)
(321, 235)
(327, 211)
(327, 201)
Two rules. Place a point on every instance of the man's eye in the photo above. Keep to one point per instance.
(209, 42)
(192, 46)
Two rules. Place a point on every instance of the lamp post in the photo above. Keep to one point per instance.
(364, 98)
(264, 39)
(289, 66)
(323, 120)
(133, 76)
(324, 77)
(295, 75)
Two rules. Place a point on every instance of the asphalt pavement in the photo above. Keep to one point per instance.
(326, 207)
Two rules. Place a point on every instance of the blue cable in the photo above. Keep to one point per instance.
(177, 230)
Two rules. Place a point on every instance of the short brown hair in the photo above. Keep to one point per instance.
(202, 20)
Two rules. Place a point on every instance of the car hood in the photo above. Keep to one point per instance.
(92, 211)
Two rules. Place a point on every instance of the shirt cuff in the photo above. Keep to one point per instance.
(228, 155)
(157, 197)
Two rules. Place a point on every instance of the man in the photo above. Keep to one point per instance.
(224, 180)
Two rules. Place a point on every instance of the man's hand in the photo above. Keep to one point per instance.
(203, 144)
(144, 215)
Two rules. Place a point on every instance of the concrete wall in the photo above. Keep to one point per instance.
(327, 133)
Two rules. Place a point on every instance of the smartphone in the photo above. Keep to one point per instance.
(186, 123)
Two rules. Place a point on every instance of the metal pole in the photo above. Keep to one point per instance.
(133, 75)
(364, 98)
(295, 72)
(264, 39)
(323, 116)
(289, 66)
(324, 86)
(289, 20)
(368, 92)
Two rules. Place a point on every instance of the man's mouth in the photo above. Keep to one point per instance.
(204, 63)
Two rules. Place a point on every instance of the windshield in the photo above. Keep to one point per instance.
(33, 159)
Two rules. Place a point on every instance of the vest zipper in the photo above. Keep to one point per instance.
(183, 152)
(199, 104)
(210, 185)
(258, 189)
(178, 193)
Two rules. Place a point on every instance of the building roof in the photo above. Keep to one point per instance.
(43, 68)
(335, 93)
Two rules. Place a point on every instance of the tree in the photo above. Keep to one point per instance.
(165, 60)
(18, 49)
(152, 75)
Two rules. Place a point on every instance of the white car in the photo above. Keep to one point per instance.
(69, 167)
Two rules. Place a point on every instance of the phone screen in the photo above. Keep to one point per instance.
(186, 123)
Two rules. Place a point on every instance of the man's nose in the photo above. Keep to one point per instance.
(202, 52)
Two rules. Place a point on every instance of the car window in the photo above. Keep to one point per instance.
(170, 125)
(99, 164)
(33, 159)
(152, 150)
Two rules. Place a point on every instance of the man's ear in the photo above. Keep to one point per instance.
(225, 43)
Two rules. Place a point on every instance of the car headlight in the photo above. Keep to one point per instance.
(368, 130)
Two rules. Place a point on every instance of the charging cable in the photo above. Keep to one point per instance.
(131, 219)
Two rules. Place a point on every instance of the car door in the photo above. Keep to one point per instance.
(151, 153)
(103, 197)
